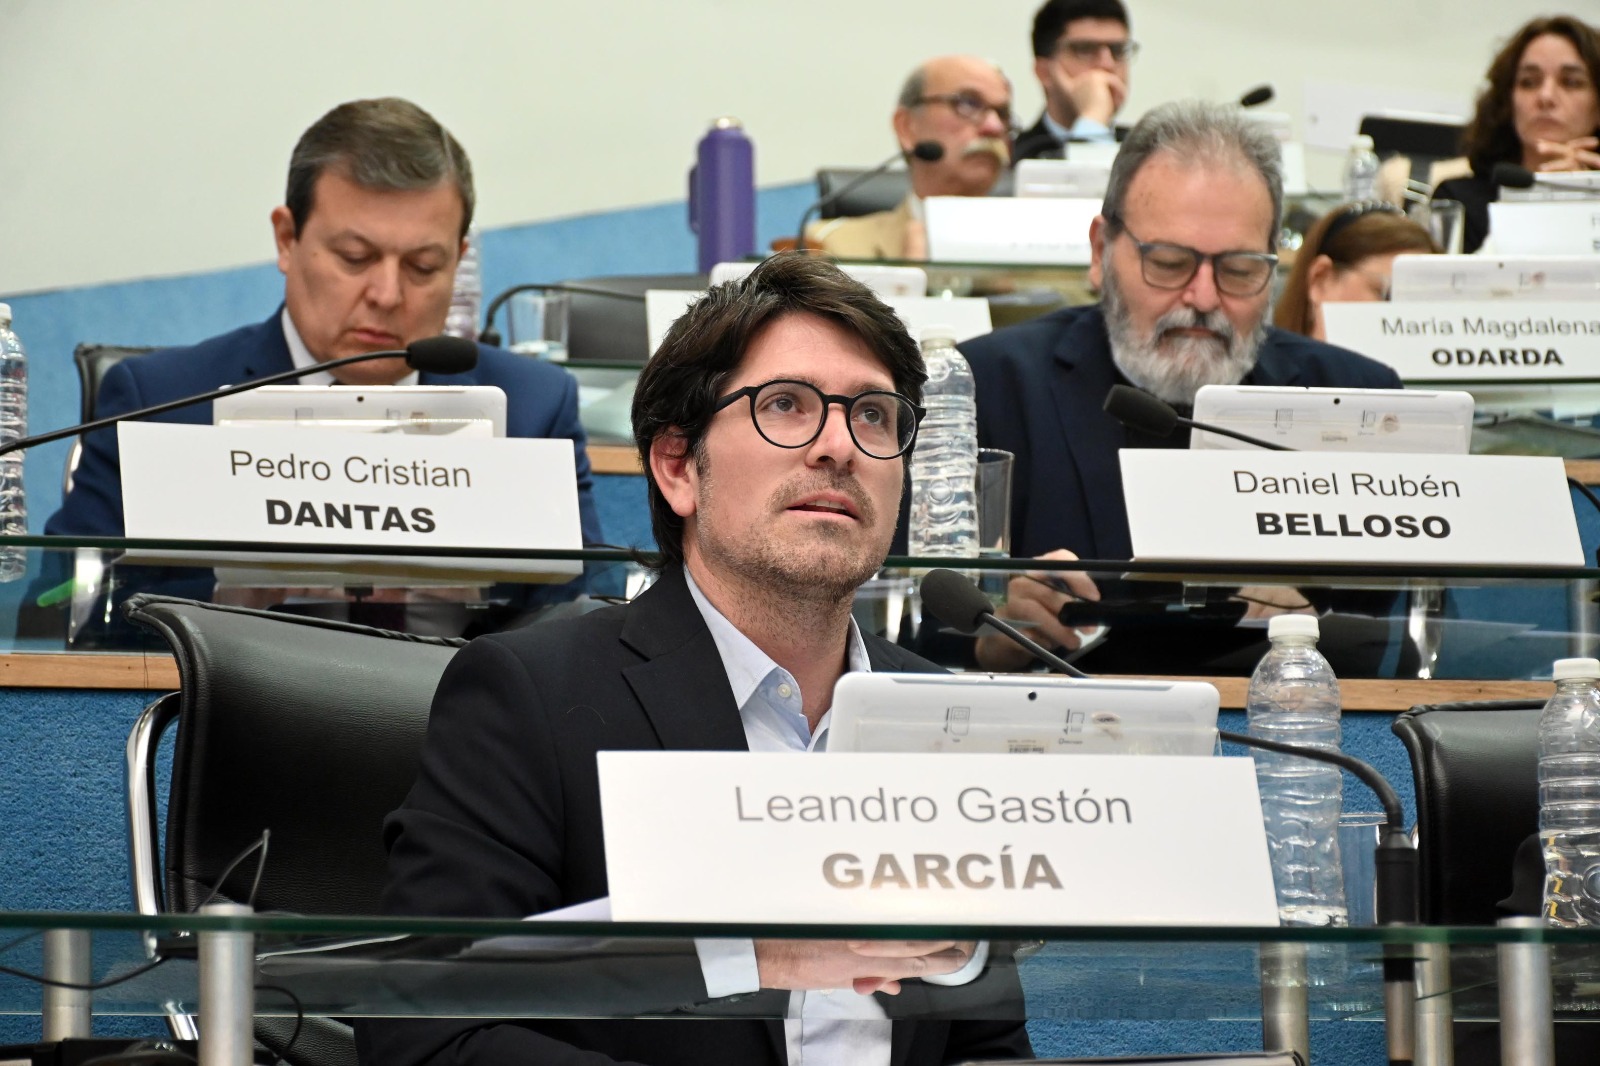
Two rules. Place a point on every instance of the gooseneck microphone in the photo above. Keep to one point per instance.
(1513, 176)
(927, 151)
(1139, 410)
(432, 355)
(964, 607)
(1257, 96)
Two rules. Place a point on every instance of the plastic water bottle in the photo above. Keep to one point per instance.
(944, 466)
(467, 298)
(1360, 170)
(1294, 698)
(13, 426)
(1569, 794)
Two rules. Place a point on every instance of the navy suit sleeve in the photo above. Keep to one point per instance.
(483, 833)
(94, 506)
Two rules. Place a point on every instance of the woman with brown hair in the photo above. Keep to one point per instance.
(1540, 110)
(1347, 257)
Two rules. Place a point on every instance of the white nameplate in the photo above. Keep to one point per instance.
(1491, 341)
(1563, 227)
(314, 486)
(1002, 229)
(968, 839)
(1315, 507)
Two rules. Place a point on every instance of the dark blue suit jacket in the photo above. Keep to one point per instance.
(1040, 388)
(541, 401)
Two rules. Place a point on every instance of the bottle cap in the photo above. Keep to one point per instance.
(1570, 669)
(728, 122)
(1362, 140)
(5, 313)
(938, 334)
(1293, 625)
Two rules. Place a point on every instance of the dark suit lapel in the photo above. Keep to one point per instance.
(681, 684)
(1274, 366)
(270, 355)
(1082, 375)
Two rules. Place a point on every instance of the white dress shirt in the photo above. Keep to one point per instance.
(830, 1026)
(302, 357)
(1083, 129)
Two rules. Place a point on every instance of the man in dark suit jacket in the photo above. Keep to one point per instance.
(1081, 55)
(769, 514)
(372, 227)
(541, 401)
(1183, 253)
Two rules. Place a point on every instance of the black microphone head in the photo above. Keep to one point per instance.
(954, 600)
(1257, 96)
(1139, 410)
(928, 151)
(1512, 176)
(442, 355)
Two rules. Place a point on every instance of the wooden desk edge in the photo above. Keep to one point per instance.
(157, 672)
(1388, 695)
(616, 459)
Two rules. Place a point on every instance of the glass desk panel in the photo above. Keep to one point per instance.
(1491, 623)
(356, 967)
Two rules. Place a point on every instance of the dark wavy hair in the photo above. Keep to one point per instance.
(1491, 136)
(681, 383)
(1050, 21)
(1347, 234)
(388, 143)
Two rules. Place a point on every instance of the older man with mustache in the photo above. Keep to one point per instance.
(963, 105)
(1183, 252)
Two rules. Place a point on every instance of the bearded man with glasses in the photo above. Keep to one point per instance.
(1183, 253)
(953, 124)
(773, 423)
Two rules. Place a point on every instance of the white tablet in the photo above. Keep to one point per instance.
(470, 410)
(1495, 277)
(1023, 714)
(1435, 421)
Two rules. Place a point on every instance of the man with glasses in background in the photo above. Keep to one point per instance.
(1081, 56)
(1183, 253)
(773, 424)
(953, 123)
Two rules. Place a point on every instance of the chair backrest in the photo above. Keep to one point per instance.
(613, 328)
(310, 728)
(1476, 770)
(93, 360)
(879, 193)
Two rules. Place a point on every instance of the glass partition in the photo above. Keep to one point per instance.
(1467, 623)
(353, 967)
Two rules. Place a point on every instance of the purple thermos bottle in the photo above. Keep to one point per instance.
(722, 195)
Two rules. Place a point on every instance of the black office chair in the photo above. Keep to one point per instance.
(612, 328)
(1424, 143)
(1476, 771)
(880, 193)
(309, 728)
(1476, 767)
(92, 361)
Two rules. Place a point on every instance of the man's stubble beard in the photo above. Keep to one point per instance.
(827, 570)
(1177, 371)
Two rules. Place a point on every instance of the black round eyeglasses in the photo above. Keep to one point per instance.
(791, 414)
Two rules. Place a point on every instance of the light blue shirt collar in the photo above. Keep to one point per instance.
(767, 695)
